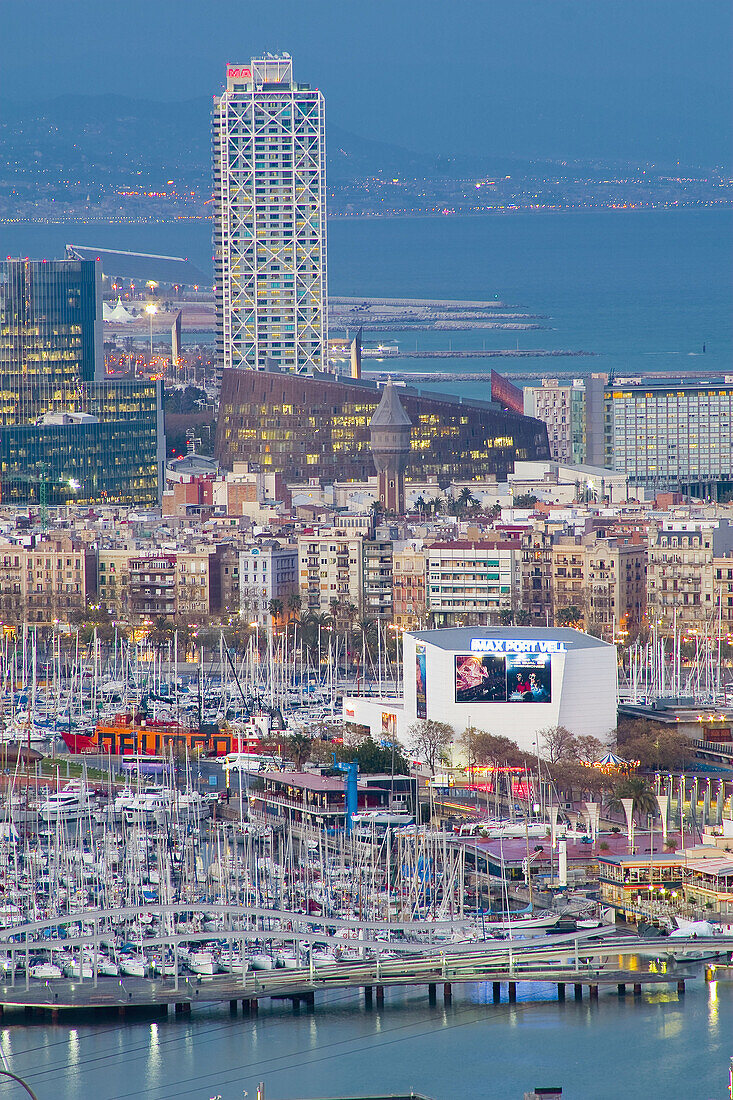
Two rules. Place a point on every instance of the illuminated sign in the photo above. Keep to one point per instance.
(509, 645)
(236, 72)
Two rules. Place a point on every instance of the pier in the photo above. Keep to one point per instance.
(585, 961)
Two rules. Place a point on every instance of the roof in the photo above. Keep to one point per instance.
(459, 638)
(141, 265)
(310, 781)
(468, 544)
(722, 866)
(389, 412)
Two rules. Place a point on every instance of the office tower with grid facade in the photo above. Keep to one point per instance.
(270, 219)
(67, 434)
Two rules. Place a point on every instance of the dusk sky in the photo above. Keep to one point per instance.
(632, 79)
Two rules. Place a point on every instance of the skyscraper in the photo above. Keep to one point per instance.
(67, 434)
(270, 219)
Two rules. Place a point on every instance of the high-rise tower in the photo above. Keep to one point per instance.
(390, 429)
(270, 219)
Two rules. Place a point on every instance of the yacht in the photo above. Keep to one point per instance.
(68, 804)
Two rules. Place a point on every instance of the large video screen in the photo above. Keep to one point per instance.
(421, 684)
(504, 678)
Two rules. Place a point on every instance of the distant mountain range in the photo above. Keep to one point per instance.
(110, 157)
(93, 138)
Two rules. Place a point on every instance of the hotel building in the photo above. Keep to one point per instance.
(269, 219)
(671, 436)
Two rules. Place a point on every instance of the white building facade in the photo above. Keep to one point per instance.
(266, 573)
(270, 219)
(471, 581)
(510, 681)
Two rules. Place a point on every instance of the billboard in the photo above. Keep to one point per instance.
(389, 727)
(504, 678)
(421, 694)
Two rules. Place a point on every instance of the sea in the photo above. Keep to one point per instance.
(643, 291)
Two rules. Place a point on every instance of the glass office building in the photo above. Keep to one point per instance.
(68, 434)
(306, 427)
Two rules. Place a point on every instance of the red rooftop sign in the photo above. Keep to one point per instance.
(238, 73)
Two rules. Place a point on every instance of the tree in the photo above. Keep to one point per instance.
(430, 740)
(653, 745)
(560, 744)
(524, 500)
(569, 616)
(298, 747)
(589, 748)
(294, 605)
(420, 504)
(486, 748)
(374, 759)
(466, 500)
(638, 790)
(275, 608)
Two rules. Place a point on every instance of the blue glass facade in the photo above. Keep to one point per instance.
(66, 432)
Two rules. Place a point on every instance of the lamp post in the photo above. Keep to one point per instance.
(151, 310)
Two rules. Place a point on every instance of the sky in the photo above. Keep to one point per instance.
(645, 81)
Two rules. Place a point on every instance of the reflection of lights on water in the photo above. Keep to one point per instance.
(154, 1057)
(713, 1005)
(73, 1045)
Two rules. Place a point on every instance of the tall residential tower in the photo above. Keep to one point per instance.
(270, 219)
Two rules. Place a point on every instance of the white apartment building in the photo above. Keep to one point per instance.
(471, 582)
(266, 572)
(269, 219)
(562, 409)
(331, 568)
(573, 413)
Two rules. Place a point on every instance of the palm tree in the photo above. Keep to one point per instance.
(466, 499)
(299, 749)
(294, 605)
(275, 608)
(636, 788)
(420, 504)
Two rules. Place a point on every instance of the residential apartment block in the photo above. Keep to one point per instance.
(267, 571)
(471, 582)
(47, 580)
(331, 569)
(408, 586)
(573, 413)
(605, 579)
(683, 560)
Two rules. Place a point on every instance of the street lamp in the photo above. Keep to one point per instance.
(151, 310)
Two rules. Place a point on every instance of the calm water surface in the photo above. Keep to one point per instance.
(655, 1047)
(643, 290)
